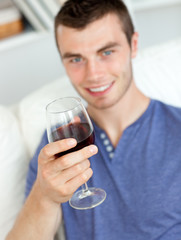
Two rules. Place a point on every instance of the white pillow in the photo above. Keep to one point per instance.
(32, 110)
(13, 168)
(157, 72)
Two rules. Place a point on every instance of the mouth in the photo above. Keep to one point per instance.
(100, 90)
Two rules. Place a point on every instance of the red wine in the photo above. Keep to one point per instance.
(80, 131)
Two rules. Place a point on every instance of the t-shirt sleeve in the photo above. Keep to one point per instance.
(33, 166)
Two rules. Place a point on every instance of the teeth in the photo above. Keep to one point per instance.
(100, 89)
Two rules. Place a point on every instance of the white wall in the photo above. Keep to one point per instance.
(27, 66)
(158, 23)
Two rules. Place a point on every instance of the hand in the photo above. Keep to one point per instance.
(59, 178)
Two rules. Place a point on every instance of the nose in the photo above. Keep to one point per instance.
(94, 70)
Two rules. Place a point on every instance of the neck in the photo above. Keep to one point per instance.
(122, 114)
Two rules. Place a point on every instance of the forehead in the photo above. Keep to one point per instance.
(95, 35)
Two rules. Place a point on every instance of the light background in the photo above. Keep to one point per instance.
(30, 60)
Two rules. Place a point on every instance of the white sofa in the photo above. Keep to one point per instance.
(157, 73)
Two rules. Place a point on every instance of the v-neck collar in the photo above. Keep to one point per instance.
(104, 140)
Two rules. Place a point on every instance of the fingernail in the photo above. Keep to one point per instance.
(71, 142)
(93, 149)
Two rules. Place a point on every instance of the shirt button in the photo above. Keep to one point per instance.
(106, 142)
(102, 135)
(111, 155)
(109, 148)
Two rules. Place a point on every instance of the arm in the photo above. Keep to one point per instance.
(38, 219)
(57, 180)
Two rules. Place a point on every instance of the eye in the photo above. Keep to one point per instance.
(107, 53)
(76, 60)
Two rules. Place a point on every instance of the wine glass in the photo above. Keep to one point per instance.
(68, 118)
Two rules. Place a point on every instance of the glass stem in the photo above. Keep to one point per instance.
(84, 187)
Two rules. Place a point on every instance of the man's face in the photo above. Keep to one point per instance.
(97, 60)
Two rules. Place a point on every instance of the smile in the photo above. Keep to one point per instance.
(100, 89)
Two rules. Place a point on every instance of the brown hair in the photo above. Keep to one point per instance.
(78, 14)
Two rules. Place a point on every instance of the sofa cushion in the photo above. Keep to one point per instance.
(32, 109)
(13, 167)
(157, 71)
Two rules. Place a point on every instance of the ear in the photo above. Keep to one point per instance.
(134, 45)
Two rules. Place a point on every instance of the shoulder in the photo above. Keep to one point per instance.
(168, 118)
(170, 112)
(33, 165)
(44, 139)
(42, 143)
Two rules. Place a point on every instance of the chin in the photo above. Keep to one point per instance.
(102, 105)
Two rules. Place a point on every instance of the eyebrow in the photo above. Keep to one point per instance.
(78, 55)
(109, 45)
(70, 55)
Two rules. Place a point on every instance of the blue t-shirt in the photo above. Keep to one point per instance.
(142, 179)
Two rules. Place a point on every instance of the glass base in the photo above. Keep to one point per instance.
(86, 199)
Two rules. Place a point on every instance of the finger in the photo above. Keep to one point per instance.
(76, 119)
(73, 184)
(73, 158)
(74, 171)
(50, 150)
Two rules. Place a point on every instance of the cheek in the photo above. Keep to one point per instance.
(115, 68)
(74, 78)
(117, 64)
(123, 65)
(74, 74)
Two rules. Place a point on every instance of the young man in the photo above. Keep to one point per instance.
(138, 162)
